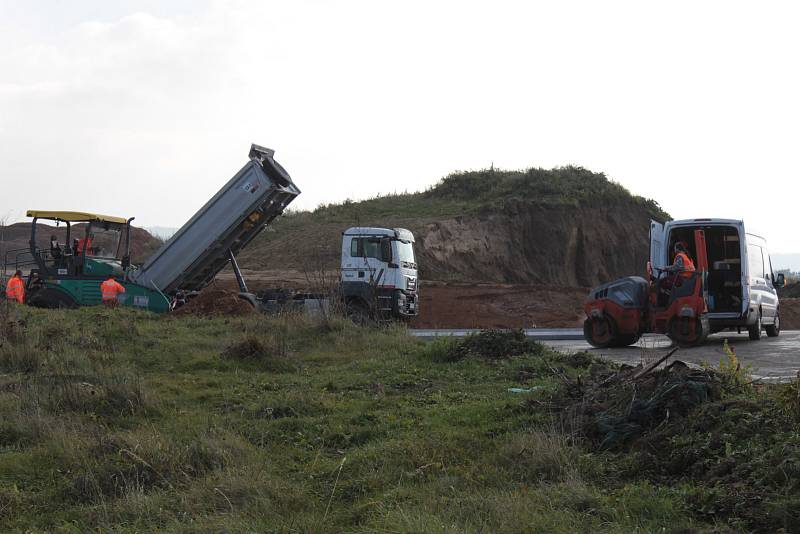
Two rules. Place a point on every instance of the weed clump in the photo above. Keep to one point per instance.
(270, 351)
(488, 345)
(788, 398)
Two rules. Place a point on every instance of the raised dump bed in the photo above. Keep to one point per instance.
(203, 246)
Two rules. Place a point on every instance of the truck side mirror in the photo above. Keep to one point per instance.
(780, 280)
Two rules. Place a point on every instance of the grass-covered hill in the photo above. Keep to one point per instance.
(566, 226)
(143, 423)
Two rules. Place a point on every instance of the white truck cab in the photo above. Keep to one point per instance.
(379, 271)
(741, 285)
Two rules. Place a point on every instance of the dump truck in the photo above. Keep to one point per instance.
(378, 275)
(69, 274)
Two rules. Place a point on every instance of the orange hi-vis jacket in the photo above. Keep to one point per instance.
(84, 245)
(688, 264)
(110, 289)
(15, 289)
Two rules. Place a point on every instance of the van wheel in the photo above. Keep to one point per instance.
(774, 329)
(755, 330)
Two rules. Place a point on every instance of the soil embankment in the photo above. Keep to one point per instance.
(526, 244)
(499, 306)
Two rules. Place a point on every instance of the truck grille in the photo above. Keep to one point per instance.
(411, 283)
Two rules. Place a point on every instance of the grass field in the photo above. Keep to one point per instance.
(112, 420)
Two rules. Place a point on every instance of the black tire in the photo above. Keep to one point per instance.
(359, 312)
(755, 330)
(676, 334)
(608, 329)
(52, 299)
(774, 329)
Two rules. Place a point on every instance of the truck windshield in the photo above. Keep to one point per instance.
(405, 251)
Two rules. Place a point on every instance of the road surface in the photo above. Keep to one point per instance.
(771, 358)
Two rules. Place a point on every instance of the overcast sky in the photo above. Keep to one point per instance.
(146, 108)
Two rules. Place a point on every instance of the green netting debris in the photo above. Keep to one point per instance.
(617, 408)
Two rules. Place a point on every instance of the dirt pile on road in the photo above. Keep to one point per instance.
(213, 302)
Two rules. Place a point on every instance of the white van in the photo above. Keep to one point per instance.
(741, 286)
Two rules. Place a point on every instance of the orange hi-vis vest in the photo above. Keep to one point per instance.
(110, 289)
(688, 264)
(15, 289)
(84, 245)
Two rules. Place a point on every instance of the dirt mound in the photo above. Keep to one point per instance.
(555, 227)
(790, 291)
(790, 314)
(214, 302)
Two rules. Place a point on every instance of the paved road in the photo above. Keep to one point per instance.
(774, 359)
(540, 334)
(771, 358)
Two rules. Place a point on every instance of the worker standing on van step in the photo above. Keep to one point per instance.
(15, 289)
(110, 290)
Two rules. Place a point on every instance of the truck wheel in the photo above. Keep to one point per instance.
(600, 333)
(755, 330)
(358, 312)
(774, 329)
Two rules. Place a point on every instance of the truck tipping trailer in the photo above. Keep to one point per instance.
(253, 198)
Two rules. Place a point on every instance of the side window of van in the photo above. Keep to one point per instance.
(755, 261)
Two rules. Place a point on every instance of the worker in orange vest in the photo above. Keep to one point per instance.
(15, 289)
(682, 262)
(85, 244)
(682, 266)
(110, 291)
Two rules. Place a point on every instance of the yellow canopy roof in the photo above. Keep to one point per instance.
(75, 216)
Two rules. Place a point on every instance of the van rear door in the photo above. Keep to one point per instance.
(657, 244)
